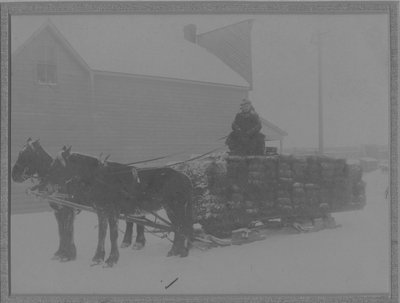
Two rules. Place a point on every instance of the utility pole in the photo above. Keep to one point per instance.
(320, 95)
(320, 103)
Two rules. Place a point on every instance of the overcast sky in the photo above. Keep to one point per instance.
(355, 65)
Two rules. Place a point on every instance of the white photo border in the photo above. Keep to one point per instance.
(390, 8)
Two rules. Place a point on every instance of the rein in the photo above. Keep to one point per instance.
(170, 165)
(154, 159)
(174, 154)
(195, 158)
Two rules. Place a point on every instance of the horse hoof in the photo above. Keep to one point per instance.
(184, 253)
(108, 265)
(137, 246)
(65, 259)
(172, 252)
(96, 263)
(125, 244)
(57, 255)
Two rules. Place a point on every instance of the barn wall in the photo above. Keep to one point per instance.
(54, 113)
(138, 118)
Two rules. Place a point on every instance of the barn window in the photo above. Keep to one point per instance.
(46, 66)
(46, 73)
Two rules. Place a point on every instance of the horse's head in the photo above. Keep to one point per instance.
(32, 160)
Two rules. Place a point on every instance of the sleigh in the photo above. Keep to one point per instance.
(233, 199)
(240, 200)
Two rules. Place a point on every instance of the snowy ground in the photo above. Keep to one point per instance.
(351, 259)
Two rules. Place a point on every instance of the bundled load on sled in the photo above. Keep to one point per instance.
(233, 193)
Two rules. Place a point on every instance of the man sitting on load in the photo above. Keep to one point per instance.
(246, 138)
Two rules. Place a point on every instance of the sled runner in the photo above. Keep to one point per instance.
(261, 231)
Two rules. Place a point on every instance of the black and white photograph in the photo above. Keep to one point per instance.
(201, 153)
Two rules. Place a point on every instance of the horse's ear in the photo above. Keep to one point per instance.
(67, 149)
(35, 143)
(104, 161)
(29, 142)
(60, 157)
(64, 154)
(135, 174)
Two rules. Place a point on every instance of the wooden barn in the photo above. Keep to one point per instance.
(134, 111)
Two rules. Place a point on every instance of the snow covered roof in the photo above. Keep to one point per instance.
(149, 51)
(52, 30)
(271, 131)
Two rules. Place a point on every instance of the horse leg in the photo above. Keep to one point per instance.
(181, 219)
(69, 245)
(186, 228)
(127, 241)
(100, 251)
(181, 244)
(113, 223)
(175, 244)
(60, 251)
(178, 245)
(70, 248)
(140, 239)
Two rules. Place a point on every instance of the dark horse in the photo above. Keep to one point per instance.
(34, 161)
(112, 189)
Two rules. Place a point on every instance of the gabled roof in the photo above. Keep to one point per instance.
(272, 132)
(162, 53)
(56, 34)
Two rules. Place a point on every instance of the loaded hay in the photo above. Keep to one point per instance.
(232, 191)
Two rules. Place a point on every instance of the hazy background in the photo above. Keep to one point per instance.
(355, 65)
